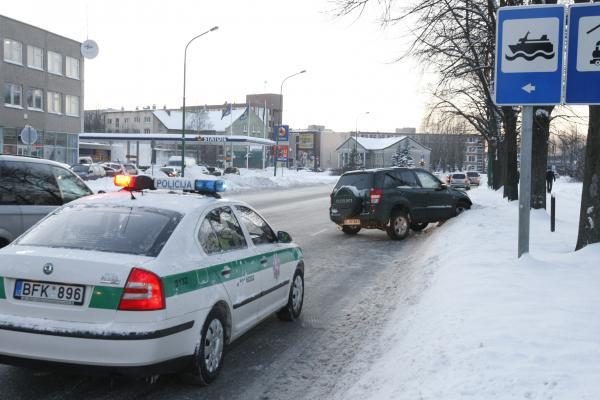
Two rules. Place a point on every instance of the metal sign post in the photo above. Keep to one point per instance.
(525, 179)
(529, 69)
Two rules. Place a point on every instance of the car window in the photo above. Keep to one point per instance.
(28, 183)
(428, 181)
(227, 228)
(394, 179)
(458, 176)
(70, 186)
(115, 229)
(359, 181)
(208, 238)
(260, 232)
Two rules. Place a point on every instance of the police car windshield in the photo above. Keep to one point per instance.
(115, 229)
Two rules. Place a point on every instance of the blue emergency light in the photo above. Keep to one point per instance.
(209, 186)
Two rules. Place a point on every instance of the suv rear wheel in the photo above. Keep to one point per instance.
(350, 229)
(399, 225)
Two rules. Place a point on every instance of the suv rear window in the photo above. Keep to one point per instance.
(360, 181)
(458, 176)
(115, 229)
(472, 174)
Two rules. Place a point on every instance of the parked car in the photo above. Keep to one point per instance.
(30, 188)
(116, 166)
(394, 200)
(89, 171)
(170, 171)
(231, 170)
(474, 177)
(460, 180)
(85, 160)
(215, 171)
(131, 169)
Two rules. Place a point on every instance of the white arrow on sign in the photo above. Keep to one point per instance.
(528, 88)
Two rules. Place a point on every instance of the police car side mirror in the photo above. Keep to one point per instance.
(442, 186)
(283, 237)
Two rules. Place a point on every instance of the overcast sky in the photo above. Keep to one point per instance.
(349, 62)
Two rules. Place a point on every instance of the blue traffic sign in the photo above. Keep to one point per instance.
(529, 48)
(583, 59)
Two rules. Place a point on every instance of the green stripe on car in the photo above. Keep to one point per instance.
(108, 298)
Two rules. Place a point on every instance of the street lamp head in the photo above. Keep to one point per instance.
(214, 28)
(303, 71)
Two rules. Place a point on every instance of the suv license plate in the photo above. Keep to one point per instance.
(49, 292)
(352, 222)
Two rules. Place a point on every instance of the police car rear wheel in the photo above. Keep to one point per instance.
(208, 355)
(295, 299)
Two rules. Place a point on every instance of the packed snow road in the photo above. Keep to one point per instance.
(352, 285)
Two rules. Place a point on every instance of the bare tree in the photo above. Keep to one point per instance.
(589, 217)
(456, 38)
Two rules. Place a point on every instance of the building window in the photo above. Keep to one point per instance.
(136, 119)
(146, 130)
(54, 103)
(117, 122)
(109, 121)
(12, 94)
(13, 51)
(54, 63)
(471, 159)
(35, 57)
(72, 67)
(471, 149)
(72, 105)
(35, 99)
(147, 120)
(125, 120)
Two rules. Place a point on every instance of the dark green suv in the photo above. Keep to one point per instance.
(394, 200)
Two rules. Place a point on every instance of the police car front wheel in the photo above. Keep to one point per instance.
(208, 354)
(293, 308)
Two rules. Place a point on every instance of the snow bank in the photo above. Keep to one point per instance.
(248, 180)
(491, 326)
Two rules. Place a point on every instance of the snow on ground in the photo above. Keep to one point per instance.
(248, 180)
(489, 325)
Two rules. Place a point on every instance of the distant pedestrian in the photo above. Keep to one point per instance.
(550, 178)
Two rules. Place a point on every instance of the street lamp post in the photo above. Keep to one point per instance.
(214, 28)
(356, 133)
(281, 111)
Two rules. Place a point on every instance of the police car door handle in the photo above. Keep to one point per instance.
(264, 260)
(226, 271)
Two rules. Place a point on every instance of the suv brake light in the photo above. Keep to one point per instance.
(376, 195)
(143, 292)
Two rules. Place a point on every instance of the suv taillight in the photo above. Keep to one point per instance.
(143, 292)
(376, 195)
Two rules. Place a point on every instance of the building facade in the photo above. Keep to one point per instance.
(381, 152)
(42, 83)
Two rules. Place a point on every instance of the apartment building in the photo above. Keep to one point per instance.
(42, 81)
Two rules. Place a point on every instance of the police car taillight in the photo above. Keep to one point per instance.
(143, 292)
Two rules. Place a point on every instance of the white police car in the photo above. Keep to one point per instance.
(144, 282)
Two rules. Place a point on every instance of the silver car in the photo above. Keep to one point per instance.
(30, 188)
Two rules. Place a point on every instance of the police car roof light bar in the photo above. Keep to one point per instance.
(134, 182)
